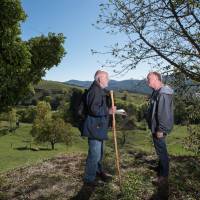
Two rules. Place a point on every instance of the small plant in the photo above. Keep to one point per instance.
(192, 142)
(131, 186)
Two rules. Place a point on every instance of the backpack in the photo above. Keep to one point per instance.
(82, 110)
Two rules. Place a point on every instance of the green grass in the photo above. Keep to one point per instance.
(139, 140)
(11, 157)
(175, 141)
(137, 156)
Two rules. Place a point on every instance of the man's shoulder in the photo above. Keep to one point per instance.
(95, 88)
(166, 89)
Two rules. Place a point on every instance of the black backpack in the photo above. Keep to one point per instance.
(82, 110)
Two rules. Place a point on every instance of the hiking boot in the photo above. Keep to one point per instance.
(104, 177)
(93, 183)
(161, 180)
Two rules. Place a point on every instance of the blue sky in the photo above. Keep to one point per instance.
(73, 18)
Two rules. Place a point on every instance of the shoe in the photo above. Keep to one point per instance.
(93, 183)
(161, 180)
(104, 177)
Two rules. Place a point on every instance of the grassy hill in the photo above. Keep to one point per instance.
(57, 174)
(58, 92)
(54, 86)
(32, 171)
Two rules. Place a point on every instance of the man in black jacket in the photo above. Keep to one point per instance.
(95, 127)
(160, 120)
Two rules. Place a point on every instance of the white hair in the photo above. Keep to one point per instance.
(98, 74)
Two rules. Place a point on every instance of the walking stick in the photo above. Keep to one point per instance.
(115, 141)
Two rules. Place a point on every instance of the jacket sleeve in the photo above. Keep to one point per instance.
(165, 117)
(96, 104)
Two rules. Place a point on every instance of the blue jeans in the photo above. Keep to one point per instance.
(94, 158)
(161, 150)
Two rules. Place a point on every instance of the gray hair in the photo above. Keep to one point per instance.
(98, 74)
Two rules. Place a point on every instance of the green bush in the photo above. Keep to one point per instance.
(27, 115)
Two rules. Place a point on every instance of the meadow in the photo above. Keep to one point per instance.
(33, 171)
(18, 148)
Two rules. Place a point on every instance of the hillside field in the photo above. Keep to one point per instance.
(57, 174)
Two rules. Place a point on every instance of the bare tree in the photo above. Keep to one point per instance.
(163, 32)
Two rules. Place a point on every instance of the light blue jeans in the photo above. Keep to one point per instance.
(94, 159)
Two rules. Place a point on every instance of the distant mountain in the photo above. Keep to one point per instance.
(136, 86)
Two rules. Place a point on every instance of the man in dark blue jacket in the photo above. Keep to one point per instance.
(160, 120)
(95, 127)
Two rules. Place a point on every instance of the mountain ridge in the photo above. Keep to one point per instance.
(131, 85)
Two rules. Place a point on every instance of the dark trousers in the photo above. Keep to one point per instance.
(161, 150)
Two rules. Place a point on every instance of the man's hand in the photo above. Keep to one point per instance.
(159, 134)
(112, 110)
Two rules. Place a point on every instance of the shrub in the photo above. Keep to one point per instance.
(27, 115)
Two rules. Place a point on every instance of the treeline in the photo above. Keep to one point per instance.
(65, 99)
(62, 101)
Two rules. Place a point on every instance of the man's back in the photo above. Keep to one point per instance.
(96, 123)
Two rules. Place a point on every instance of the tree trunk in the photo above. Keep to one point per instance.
(52, 145)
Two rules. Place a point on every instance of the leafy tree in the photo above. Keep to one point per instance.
(180, 111)
(48, 99)
(63, 109)
(192, 142)
(15, 57)
(164, 32)
(187, 106)
(184, 97)
(27, 115)
(23, 63)
(43, 110)
(72, 115)
(46, 52)
(47, 128)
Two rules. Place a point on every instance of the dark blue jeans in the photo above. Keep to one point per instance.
(161, 150)
(94, 158)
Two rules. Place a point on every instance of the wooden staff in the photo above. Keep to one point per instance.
(115, 140)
